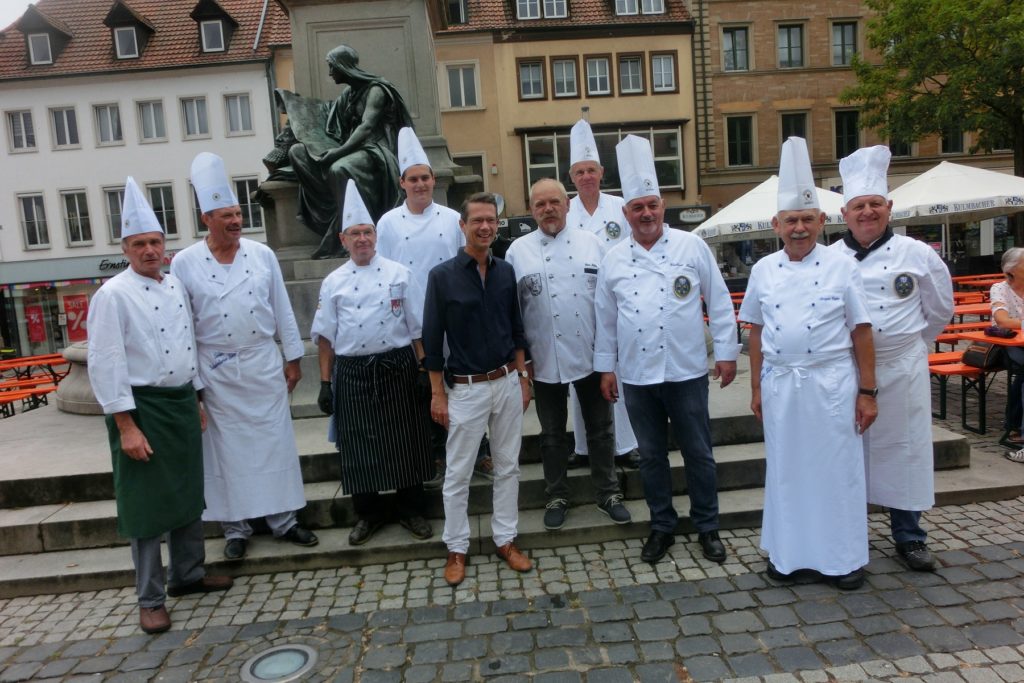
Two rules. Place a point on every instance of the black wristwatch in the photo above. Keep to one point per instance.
(868, 392)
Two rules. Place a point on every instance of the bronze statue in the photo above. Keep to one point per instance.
(356, 137)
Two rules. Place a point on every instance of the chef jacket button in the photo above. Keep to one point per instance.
(172, 372)
(808, 350)
(254, 331)
(147, 288)
(812, 305)
(644, 348)
(635, 294)
(190, 348)
(815, 282)
(660, 346)
(883, 288)
(156, 308)
(776, 305)
(162, 329)
(661, 327)
(777, 327)
(225, 315)
(547, 258)
(808, 327)
(661, 308)
(229, 334)
(881, 308)
(166, 351)
(816, 263)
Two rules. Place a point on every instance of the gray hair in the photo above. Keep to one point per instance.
(1011, 257)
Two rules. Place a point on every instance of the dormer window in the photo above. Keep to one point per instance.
(126, 42)
(39, 48)
(213, 35)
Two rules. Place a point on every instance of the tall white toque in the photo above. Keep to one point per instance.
(582, 145)
(211, 182)
(137, 215)
(636, 168)
(796, 181)
(355, 211)
(410, 151)
(865, 172)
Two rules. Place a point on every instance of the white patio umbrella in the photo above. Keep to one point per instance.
(750, 215)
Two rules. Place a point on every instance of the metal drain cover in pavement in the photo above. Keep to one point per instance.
(279, 664)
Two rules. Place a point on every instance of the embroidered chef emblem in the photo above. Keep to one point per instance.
(613, 229)
(216, 196)
(648, 184)
(534, 284)
(904, 285)
(396, 299)
(807, 197)
(681, 287)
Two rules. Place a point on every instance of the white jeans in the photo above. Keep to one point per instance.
(497, 407)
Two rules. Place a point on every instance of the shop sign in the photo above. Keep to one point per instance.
(34, 322)
(76, 307)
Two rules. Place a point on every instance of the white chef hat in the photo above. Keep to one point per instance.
(137, 215)
(410, 151)
(582, 146)
(355, 211)
(864, 172)
(211, 183)
(636, 168)
(796, 182)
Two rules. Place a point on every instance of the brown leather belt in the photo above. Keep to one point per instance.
(505, 370)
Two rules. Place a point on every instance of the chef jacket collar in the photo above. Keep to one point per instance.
(859, 252)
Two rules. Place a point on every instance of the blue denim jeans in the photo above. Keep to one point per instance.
(906, 526)
(685, 405)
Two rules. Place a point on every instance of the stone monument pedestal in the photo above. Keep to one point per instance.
(74, 393)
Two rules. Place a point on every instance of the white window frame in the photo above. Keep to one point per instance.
(40, 225)
(747, 52)
(460, 67)
(187, 117)
(141, 107)
(159, 208)
(527, 9)
(101, 112)
(113, 218)
(65, 127)
(845, 58)
(124, 31)
(556, 9)
(753, 141)
(33, 49)
(607, 76)
(531, 64)
(80, 221)
(563, 78)
(249, 207)
(463, 13)
(657, 73)
(640, 88)
(12, 142)
(220, 32)
(652, 6)
(229, 114)
(197, 212)
(626, 8)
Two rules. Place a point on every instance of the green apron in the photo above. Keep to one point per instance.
(165, 493)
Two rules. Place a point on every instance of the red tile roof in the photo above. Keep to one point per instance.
(500, 15)
(174, 41)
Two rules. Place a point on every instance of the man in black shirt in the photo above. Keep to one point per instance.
(472, 304)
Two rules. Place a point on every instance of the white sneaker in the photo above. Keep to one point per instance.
(1016, 456)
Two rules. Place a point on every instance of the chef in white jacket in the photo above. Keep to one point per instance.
(239, 303)
(910, 299)
(594, 211)
(807, 311)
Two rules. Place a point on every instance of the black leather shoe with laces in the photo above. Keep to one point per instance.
(712, 547)
(916, 555)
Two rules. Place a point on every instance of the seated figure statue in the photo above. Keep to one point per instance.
(355, 136)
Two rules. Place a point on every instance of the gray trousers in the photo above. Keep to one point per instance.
(279, 524)
(187, 555)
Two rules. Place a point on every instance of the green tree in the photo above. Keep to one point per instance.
(945, 65)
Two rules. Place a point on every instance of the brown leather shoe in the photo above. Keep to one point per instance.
(207, 584)
(515, 557)
(154, 619)
(455, 570)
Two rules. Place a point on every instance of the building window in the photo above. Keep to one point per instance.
(239, 114)
(33, 221)
(65, 127)
(108, 124)
(528, 9)
(599, 80)
(531, 80)
(20, 134)
(844, 42)
(126, 42)
(652, 6)
(791, 46)
(197, 213)
(161, 198)
(252, 214)
(663, 72)
(193, 114)
(114, 201)
(631, 75)
(555, 9)
(735, 51)
(151, 121)
(739, 132)
(900, 148)
(563, 78)
(462, 86)
(213, 35)
(39, 48)
(793, 125)
(474, 162)
(847, 133)
(953, 140)
(76, 218)
(626, 7)
(457, 11)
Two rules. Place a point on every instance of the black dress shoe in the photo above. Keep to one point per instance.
(363, 530)
(712, 546)
(300, 536)
(417, 526)
(577, 460)
(916, 555)
(656, 546)
(234, 549)
(851, 581)
(775, 575)
(631, 459)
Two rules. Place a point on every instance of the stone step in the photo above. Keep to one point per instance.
(91, 524)
(989, 478)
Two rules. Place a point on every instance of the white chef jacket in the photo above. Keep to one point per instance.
(419, 242)
(608, 221)
(556, 278)
(140, 334)
(649, 316)
(369, 309)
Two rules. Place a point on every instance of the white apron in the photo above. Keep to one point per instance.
(249, 456)
(625, 440)
(898, 452)
(815, 507)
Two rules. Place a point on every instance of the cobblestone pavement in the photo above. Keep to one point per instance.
(594, 612)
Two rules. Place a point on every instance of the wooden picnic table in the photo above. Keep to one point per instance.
(982, 310)
(28, 366)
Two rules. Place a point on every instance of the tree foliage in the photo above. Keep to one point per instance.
(945, 65)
